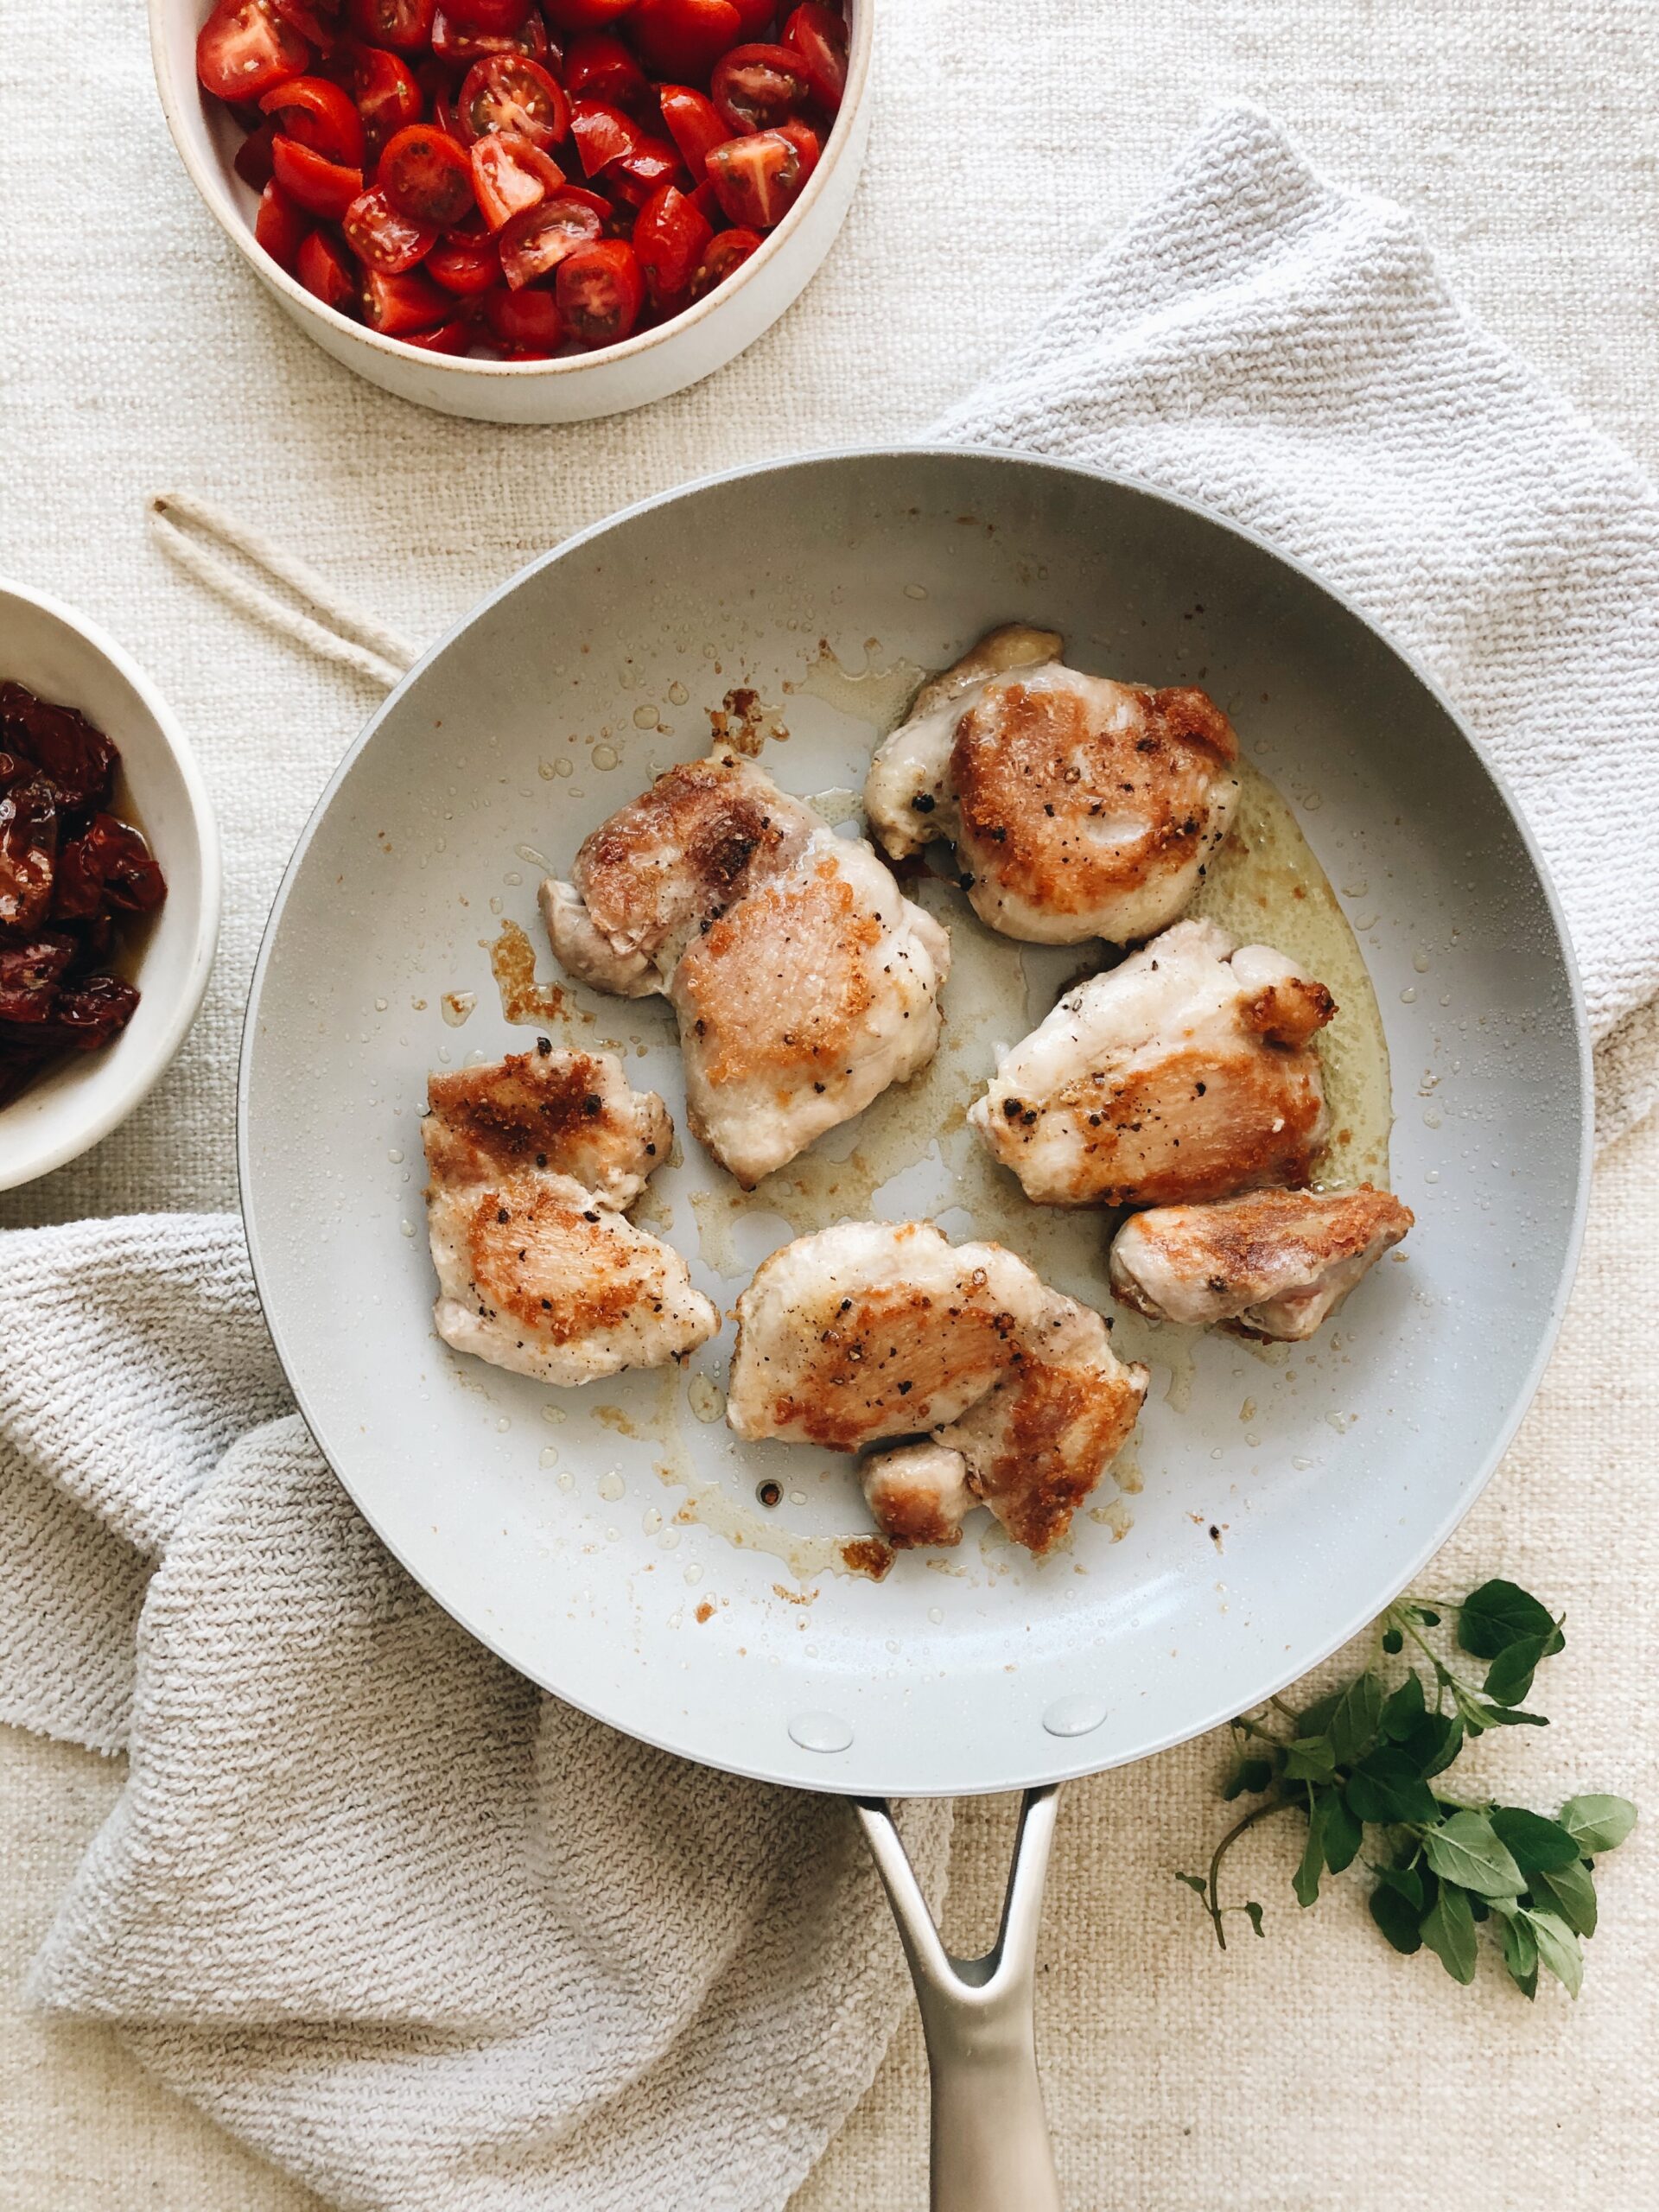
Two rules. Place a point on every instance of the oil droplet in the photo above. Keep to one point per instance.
(380, 1006)
(705, 1397)
(1301, 1465)
(554, 1413)
(651, 1521)
(915, 591)
(935, 1614)
(395, 1157)
(513, 878)
(611, 1487)
(678, 693)
(513, 962)
(1431, 1119)
(670, 1540)
(419, 1005)
(457, 1006)
(1432, 1176)
(694, 1572)
(407, 1228)
(550, 1455)
(565, 1480)
(529, 853)
(564, 765)
(606, 756)
(1420, 961)
(503, 1426)
(1355, 890)
(546, 771)
(644, 718)
(1409, 996)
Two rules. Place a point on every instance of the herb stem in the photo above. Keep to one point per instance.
(1260, 1813)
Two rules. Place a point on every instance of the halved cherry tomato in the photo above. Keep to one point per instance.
(585, 15)
(805, 140)
(509, 91)
(406, 25)
(509, 174)
(755, 87)
(652, 164)
(598, 67)
(322, 268)
(602, 134)
(459, 45)
(396, 303)
(755, 15)
(670, 237)
(427, 176)
(706, 200)
(243, 49)
(251, 160)
(280, 225)
(694, 123)
(539, 240)
(684, 38)
(315, 113)
(466, 267)
(452, 337)
(320, 23)
(729, 251)
(386, 90)
(326, 187)
(381, 237)
(599, 291)
(759, 178)
(489, 15)
(819, 36)
(528, 320)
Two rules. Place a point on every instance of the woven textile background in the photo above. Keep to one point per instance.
(138, 355)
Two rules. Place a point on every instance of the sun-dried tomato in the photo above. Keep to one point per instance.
(77, 761)
(30, 975)
(29, 847)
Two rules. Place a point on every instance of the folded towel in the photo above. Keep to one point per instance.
(428, 1938)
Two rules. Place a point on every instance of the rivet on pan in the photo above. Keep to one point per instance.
(820, 1731)
(1073, 1716)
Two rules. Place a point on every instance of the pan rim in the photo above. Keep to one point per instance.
(1080, 1763)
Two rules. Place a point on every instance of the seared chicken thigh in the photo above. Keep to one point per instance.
(876, 1329)
(1185, 1073)
(1078, 807)
(804, 982)
(1274, 1263)
(539, 1270)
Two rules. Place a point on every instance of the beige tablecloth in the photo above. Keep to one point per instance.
(1313, 2068)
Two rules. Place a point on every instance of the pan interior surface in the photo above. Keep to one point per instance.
(609, 1542)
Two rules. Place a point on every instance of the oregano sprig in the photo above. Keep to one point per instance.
(1361, 1765)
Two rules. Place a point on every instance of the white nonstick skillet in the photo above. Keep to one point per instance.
(610, 1542)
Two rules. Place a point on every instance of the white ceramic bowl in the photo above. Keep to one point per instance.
(581, 386)
(62, 657)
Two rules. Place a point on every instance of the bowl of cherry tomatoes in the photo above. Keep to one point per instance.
(109, 885)
(523, 211)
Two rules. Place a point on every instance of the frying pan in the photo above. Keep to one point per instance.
(608, 1542)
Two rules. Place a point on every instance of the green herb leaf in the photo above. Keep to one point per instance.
(1249, 1778)
(1509, 1676)
(1598, 1823)
(1558, 1949)
(1405, 1882)
(1253, 1911)
(1533, 1843)
(1507, 1716)
(1499, 1614)
(1448, 1928)
(1317, 1718)
(1466, 1849)
(1342, 1835)
(1398, 1919)
(1432, 1744)
(1196, 1882)
(1520, 1948)
(1404, 1711)
(1352, 1727)
(1569, 1890)
(1306, 1880)
(1393, 1642)
(1309, 1758)
(1385, 1786)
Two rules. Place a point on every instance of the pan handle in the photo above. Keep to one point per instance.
(991, 2149)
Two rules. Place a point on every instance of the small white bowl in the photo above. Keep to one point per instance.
(62, 657)
(583, 385)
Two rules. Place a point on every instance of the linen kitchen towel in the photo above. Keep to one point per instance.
(428, 1938)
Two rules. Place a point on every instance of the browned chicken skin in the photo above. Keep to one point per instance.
(1271, 1264)
(875, 1329)
(804, 982)
(1185, 1073)
(532, 1160)
(1078, 807)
